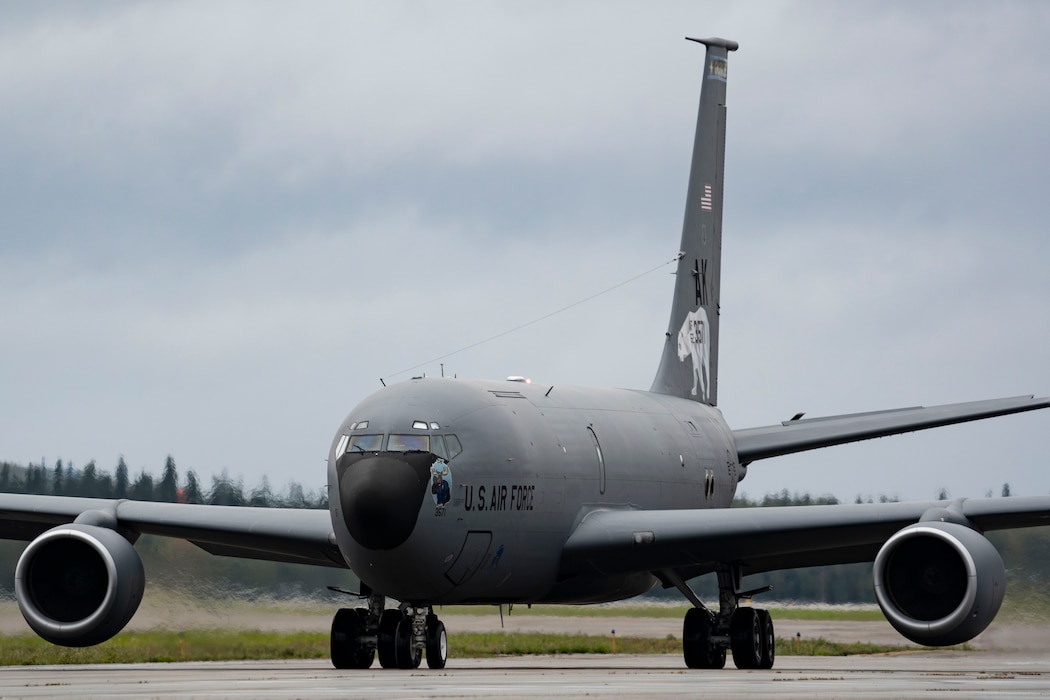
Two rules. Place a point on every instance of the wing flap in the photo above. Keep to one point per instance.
(811, 433)
(311, 556)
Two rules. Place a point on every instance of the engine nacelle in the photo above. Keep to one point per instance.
(939, 583)
(78, 585)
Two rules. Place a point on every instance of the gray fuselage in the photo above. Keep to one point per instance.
(460, 491)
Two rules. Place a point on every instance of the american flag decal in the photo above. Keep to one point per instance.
(705, 198)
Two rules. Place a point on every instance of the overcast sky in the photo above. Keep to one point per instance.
(221, 223)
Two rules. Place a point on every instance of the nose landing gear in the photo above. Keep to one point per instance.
(399, 635)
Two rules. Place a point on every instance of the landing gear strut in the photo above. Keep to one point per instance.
(400, 636)
(748, 632)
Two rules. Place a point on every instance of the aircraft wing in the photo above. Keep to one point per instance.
(810, 433)
(694, 542)
(298, 536)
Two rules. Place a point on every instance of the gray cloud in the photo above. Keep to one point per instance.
(221, 223)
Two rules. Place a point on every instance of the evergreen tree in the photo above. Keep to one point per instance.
(192, 492)
(142, 489)
(120, 485)
(59, 486)
(224, 492)
(33, 479)
(89, 484)
(104, 485)
(263, 495)
(322, 499)
(1006, 490)
(5, 478)
(168, 489)
(296, 499)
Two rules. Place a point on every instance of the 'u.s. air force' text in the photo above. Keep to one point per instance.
(498, 497)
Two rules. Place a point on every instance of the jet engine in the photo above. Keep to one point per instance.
(78, 585)
(939, 583)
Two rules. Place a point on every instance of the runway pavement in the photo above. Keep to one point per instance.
(906, 675)
(1008, 660)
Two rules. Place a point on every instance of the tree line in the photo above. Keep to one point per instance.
(90, 481)
(178, 564)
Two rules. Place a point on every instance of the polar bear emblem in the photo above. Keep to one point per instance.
(694, 342)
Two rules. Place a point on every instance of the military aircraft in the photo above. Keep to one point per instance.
(450, 490)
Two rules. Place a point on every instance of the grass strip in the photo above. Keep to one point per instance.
(659, 612)
(234, 645)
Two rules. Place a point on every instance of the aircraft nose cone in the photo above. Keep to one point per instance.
(381, 495)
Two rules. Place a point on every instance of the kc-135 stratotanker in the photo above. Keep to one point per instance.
(452, 491)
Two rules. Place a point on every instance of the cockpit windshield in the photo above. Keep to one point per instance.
(365, 443)
(408, 443)
(447, 447)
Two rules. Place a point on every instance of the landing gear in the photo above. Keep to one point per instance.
(698, 646)
(745, 638)
(390, 624)
(706, 635)
(769, 642)
(349, 645)
(437, 643)
(407, 652)
(399, 636)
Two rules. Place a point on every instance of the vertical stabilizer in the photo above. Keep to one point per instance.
(689, 366)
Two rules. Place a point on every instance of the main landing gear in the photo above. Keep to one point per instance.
(399, 635)
(748, 632)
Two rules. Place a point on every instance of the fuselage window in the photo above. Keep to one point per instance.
(365, 443)
(408, 443)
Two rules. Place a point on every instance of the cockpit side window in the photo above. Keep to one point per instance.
(454, 448)
(437, 446)
(408, 443)
(365, 443)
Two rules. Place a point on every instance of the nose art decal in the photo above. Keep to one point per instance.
(440, 485)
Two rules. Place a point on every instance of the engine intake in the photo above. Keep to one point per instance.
(939, 583)
(78, 585)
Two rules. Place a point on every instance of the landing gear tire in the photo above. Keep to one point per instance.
(347, 629)
(387, 637)
(696, 641)
(769, 642)
(745, 638)
(437, 643)
(408, 654)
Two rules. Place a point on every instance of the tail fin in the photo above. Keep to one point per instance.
(689, 366)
